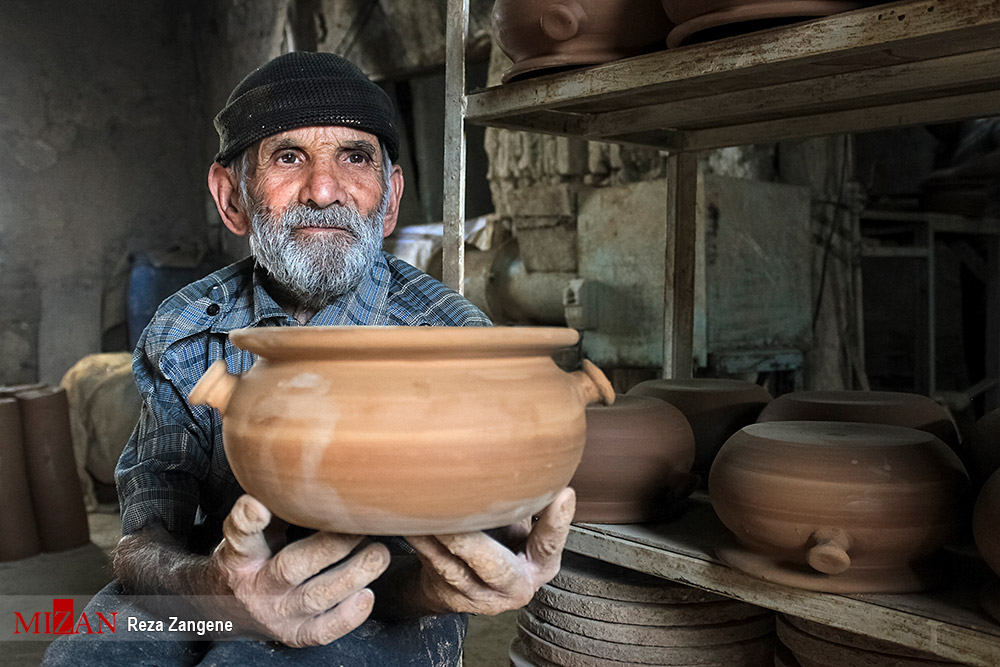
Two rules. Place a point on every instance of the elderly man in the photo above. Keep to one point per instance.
(305, 170)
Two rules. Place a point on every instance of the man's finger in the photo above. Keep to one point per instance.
(496, 565)
(243, 530)
(548, 537)
(327, 589)
(337, 622)
(304, 558)
(450, 568)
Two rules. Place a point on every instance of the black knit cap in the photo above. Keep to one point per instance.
(303, 89)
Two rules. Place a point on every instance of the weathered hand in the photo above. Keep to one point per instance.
(283, 592)
(473, 572)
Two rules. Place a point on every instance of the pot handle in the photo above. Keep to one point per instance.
(215, 387)
(829, 552)
(593, 384)
(563, 20)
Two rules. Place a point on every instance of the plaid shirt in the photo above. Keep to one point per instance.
(174, 469)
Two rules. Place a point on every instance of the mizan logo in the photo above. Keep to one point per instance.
(62, 621)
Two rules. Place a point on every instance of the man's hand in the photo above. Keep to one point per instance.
(475, 573)
(290, 595)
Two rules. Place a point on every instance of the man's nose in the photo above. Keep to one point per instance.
(322, 187)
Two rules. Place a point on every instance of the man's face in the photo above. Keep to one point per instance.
(318, 198)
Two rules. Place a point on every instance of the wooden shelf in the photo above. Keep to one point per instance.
(946, 621)
(903, 63)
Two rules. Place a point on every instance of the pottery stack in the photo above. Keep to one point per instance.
(598, 614)
(40, 493)
(803, 643)
(636, 464)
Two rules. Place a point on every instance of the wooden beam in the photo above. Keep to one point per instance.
(679, 266)
(453, 239)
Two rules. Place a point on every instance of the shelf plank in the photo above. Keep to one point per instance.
(840, 69)
(946, 622)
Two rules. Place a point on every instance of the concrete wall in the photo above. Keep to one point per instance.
(98, 134)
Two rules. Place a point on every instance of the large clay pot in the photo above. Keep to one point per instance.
(636, 466)
(403, 430)
(982, 447)
(840, 507)
(892, 408)
(716, 408)
(18, 532)
(985, 520)
(543, 35)
(704, 20)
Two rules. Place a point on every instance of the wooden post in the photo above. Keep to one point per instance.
(678, 284)
(453, 241)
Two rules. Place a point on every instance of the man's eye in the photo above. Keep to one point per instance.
(287, 158)
(358, 158)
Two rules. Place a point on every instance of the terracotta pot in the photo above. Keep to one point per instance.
(716, 408)
(636, 466)
(18, 532)
(403, 430)
(982, 447)
(985, 519)
(840, 507)
(56, 494)
(542, 35)
(703, 20)
(892, 408)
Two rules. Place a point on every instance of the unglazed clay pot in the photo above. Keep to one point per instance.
(982, 447)
(892, 408)
(637, 462)
(839, 507)
(543, 35)
(403, 430)
(705, 20)
(17, 518)
(985, 520)
(716, 408)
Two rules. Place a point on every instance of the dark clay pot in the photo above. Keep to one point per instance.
(985, 520)
(544, 35)
(18, 533)
(716, 408)
(868, 407)
(636, 464)
(981, 447)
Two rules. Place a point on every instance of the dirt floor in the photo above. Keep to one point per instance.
(83, 571)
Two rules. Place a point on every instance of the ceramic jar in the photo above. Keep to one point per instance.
(545, 35)
(704, 20)
(403, 430)
(17, 520)
(985, 520)
(840, 507)
(716, 408)
(892, 408)
(981, 447)
(636, 465)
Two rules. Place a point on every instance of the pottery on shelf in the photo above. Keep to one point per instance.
(544, 35)
(403, 430)
(716, 408)
(636, 465)
(705, 20)
(981, 447)
(985, 519)
(838, 506)
(893, 408)
(17, 519)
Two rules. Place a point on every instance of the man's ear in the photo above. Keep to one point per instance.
(395, 194)
(222, 184)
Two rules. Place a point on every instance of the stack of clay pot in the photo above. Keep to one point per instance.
(40, 494)
(597, 614)
(716, 408)
(705, 20)
(543, 36)
(636, 464)
(839, 506)
(803, 643)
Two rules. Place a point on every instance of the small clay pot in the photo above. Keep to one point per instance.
(704, 20)
(892, 408)
(56, 494)
(982, 447)
(838, 507)
(18, 532)
(716, 408)
(636, 465)
(543, 35)
(403, 430)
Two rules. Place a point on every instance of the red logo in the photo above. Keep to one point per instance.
(62, 621)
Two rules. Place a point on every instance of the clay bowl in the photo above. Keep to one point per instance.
(706, 20)
(403, 430)
(982, 447)
(636, 464)
(546, 35)
(892, 408)
(716, 408)
(985, 519)
(837, 506)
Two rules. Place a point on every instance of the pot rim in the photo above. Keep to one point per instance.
(438, 342)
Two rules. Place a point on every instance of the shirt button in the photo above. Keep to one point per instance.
(213, 309)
